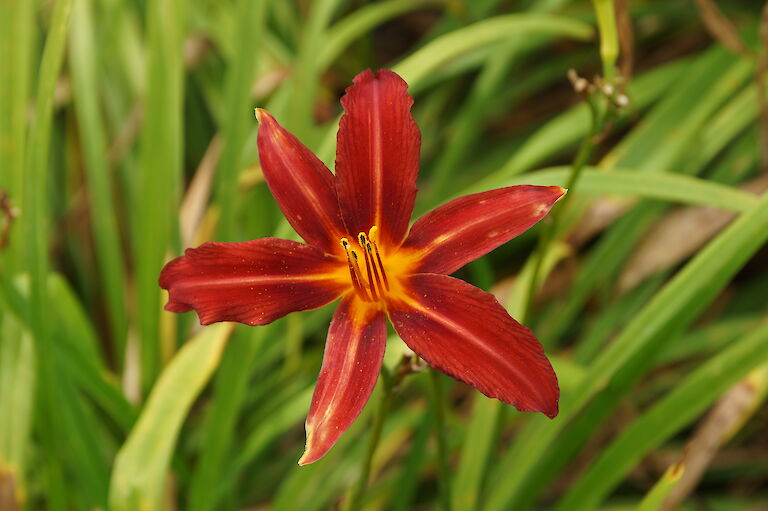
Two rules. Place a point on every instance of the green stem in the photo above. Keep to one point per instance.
(609, 38)
(358, 492)
(549, 230)
(443, 469)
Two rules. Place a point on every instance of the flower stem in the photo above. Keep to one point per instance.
(358, 492)
(609, 38)
(443, 470)
(550, 229)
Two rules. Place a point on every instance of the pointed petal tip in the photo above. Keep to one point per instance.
(301, 184)
(550, 404)
(311, 455)
(551, 410)
(352, 361)
(546, 405)
(465, 333)
(313, 450)
(368, 75)
(305, 460)
(265, 118)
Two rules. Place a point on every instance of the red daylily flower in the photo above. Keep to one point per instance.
(359, 248)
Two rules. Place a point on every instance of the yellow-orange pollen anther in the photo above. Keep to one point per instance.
(371, 286)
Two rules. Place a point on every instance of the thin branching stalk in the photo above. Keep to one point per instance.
(443, 469)
(550, 229)
(358, 491)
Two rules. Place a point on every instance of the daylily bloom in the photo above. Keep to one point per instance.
(359, 248)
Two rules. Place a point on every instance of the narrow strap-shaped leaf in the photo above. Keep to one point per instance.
(250, 27)
(17, 391)
(673, 412)
(111, 266)
(675, 306)
(419, 64)
(36, 231)
(635, 184)
(662, 488)
(141, 464)
(158, 180)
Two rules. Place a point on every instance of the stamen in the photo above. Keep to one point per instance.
(370, 268)
(375, 269)
(376, 285)
(373, 236)
(354, 271)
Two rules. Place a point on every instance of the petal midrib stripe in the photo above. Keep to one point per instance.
(376, 155)
(472, 338)
(346, 373)
(448, 235)
(259, 280)
(312, 198)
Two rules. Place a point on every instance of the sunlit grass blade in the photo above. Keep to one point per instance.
(229, 394)
(159, 178)
(83, 61)
(17, 392)
(35, 224)
(609, 38)
(239, 115)
(140, 467)
(634, 184)
(16, 41)
(303, 86)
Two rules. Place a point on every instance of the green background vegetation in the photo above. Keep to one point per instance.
(127, 133)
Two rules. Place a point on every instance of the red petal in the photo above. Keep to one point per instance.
(468, 227)
(301, 184)
(253, 282)
(377, 158)
(465, 333)
(351, 363)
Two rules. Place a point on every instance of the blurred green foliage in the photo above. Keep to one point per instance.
(127, 134)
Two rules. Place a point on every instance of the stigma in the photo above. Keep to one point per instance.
(372, 284)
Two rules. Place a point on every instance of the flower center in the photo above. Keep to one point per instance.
(371, 284)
